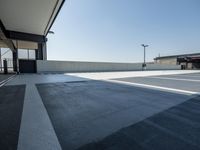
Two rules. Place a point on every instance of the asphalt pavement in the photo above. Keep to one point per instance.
(102, 111)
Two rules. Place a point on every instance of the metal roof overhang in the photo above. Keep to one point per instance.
(26, 21)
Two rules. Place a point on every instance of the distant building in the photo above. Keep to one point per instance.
(187, 61)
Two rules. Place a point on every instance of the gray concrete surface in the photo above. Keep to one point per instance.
(82, 112)
(180, 82)
(101, 106)
(43, 78)
(4, 77)
(126, 74)
(11, 107)
(176, 128)
(195, 76)
(73, 66)
(36, 130)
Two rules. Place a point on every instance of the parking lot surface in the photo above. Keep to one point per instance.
(181, 82)
(119, 110)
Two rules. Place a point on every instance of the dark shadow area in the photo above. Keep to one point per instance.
(83, 112)
(11, 107)
(177, 128)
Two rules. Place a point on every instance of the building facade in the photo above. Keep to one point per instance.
(187, 61)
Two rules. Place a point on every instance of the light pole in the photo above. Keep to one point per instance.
(144, 64)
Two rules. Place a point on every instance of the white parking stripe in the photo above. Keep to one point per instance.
(154, 87)
(166, 78)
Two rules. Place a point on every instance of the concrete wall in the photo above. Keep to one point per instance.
(72, 66)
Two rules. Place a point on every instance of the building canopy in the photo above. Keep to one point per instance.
(23, 23)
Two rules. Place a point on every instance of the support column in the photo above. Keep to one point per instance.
(41, 52)
(44, 51)
(15, 61)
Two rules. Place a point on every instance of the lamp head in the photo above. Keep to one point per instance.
(51, 32)
(144, 45)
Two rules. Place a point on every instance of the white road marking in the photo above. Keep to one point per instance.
(2, 83)
(36, 130)
(154, 87)
(166, 78)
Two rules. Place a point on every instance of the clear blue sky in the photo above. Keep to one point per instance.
(113, 30)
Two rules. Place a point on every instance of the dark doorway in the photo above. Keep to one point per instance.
(27, 66)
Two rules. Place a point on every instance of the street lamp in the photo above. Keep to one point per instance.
(51, 32)
(144, 64)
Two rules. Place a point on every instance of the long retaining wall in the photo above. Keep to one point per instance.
(75, 66)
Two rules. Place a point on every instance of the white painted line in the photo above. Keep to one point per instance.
(178, 79)
(154, 87)
(2, 83)
(36, 130)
